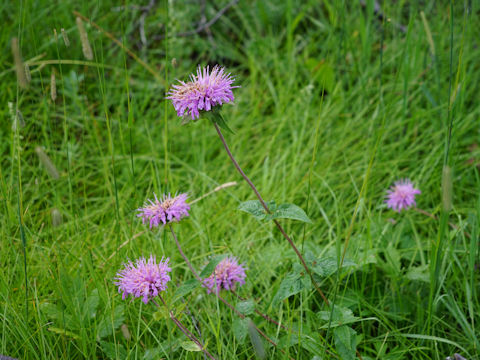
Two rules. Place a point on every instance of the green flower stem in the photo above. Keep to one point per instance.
(184, 329)
(277, 224)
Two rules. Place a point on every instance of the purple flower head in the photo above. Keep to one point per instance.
(227, 273)
(144, 279)
(167, 210)
(401, 195)
(204, 91)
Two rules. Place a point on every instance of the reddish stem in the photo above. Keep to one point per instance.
(277, 224)
(230, 306)
(184, 329)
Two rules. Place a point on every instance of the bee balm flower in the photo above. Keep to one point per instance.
(203, 92)
(145, 279)
(401, 195)
(226, 275)
(164, 211)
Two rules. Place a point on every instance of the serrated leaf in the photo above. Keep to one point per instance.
(345, 342)
(340, 316)
(190, 346)
(64, 332)
(290, 211)
(326, 266)
(208, 270)
(113, 351)
(253, 207)
(293, 283)
(108, 324)
(186, 288)
(246, 307)
(240, 329)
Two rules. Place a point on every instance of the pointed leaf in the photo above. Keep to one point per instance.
(290, 211)
(345, 342)
(255, 208)
(64, 332)
(208, 270)
(190, 346)
(293, 283)
(215, 116)
(110, 323)
(186, 288)
(326, 266)
(246, 307)
(113, 351)
(240, 329)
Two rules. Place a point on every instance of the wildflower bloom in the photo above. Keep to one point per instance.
(401, 195)
(204, 91)
(166, 210)
(226, 275)
(144, 279)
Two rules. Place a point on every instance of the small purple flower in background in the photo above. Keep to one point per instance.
(167, 210)
(401, 195)
(144, 279)
(227, 273)
(204, 91)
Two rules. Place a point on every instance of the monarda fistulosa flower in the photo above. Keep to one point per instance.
(228, 273)
(205, 90)
(401, 195)
(145, 279)
(168, 209)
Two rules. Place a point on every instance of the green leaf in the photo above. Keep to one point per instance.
(113, 351)
(161, 314)
(246, 307)
(208, 270)
(283, 211)
(290, 211)
(340, 316)
(186, 288)
(256, 341)
(326, 266)
(51, 311)
(240, 329)
(293, 283)
(166, 346)
(64, 332)
(215, 116)
(321, 72)
(91, 305)
(190, 346)
(255, 208)
(109, 323)
(419, 273)
(345, 342)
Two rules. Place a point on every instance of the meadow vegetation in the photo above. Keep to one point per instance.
(337, 101)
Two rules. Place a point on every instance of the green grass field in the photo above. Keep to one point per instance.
(337, 101)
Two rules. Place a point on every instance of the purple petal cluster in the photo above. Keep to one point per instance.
(145, 279)
(401, 195)
(226, 275)
(204, 91)
(163, 211)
